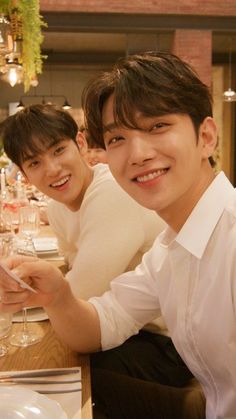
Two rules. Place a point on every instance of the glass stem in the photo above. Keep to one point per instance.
(25, 324)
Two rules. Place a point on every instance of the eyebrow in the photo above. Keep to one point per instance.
(29, 157)
(109, 127)
(43, 150)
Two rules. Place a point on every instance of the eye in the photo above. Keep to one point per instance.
(33, 164)
(59, 150)
(158, 126)
(113, 140)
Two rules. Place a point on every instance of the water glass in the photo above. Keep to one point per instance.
(5, 328)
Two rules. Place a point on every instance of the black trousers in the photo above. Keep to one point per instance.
(144, 378)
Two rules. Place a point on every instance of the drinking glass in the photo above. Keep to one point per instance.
(6, 249)
(29, 223)
(5, 327)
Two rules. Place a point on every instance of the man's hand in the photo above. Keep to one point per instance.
(46, 279)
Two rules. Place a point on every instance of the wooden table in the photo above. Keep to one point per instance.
(50, 352)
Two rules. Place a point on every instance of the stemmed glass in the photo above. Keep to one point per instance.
(29, 223)
(5, 327)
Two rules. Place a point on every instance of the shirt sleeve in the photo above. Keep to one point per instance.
(129, 305)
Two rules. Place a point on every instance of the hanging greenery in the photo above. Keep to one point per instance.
(4, 6)
(26, 23)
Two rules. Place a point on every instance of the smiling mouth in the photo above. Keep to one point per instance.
(60, 182)
(150, 176)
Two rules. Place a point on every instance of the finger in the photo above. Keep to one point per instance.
(14, 261)
(11, 308)
(14, 297)
(9, 284)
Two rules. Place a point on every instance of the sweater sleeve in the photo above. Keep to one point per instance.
(56, 220)
(112, 233)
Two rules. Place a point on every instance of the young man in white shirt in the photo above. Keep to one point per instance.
(155, 117)
(101, 230)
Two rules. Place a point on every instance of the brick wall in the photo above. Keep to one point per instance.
(195, 47)
(186, 7)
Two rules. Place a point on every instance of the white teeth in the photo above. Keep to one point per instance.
(150, 176)
(61, 181)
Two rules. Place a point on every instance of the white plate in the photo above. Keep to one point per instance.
(34, 314)
(45, 244)
(16, 403)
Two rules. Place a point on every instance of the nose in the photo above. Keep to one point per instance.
(140, 150)
(51, 167)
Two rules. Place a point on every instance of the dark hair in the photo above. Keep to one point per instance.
(151, 83)
(35, 129)
(90, 141)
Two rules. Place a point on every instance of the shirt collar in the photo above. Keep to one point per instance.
(199, 226)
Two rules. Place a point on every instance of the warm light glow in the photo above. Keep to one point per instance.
(34, 81)
(229, 95)
(12, 76)
(13, 73)
(66, 106)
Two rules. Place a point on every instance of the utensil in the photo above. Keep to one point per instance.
(40, 373)
(65, 381)
(36, 381)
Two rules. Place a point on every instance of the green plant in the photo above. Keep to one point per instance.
(4, 6)
(27, 26)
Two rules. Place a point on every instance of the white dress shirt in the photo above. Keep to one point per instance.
(191, 277)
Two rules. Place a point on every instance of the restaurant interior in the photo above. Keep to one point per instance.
(75, 41)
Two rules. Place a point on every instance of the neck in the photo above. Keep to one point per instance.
(177, 214)
(76, 204)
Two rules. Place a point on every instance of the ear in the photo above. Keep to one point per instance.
(82, 143)
(208, 136)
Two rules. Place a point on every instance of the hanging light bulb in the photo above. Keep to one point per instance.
(66, 105)
(20, 105)
(229, 95)
(12, 73)
(12, 76)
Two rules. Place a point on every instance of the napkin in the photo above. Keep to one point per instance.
(69, 385)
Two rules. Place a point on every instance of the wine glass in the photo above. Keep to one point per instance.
(6, 234)
(5, 327)
(29, 223)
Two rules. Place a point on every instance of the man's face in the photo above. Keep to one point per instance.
(60, 173)
(95, 156)
(162, 165)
